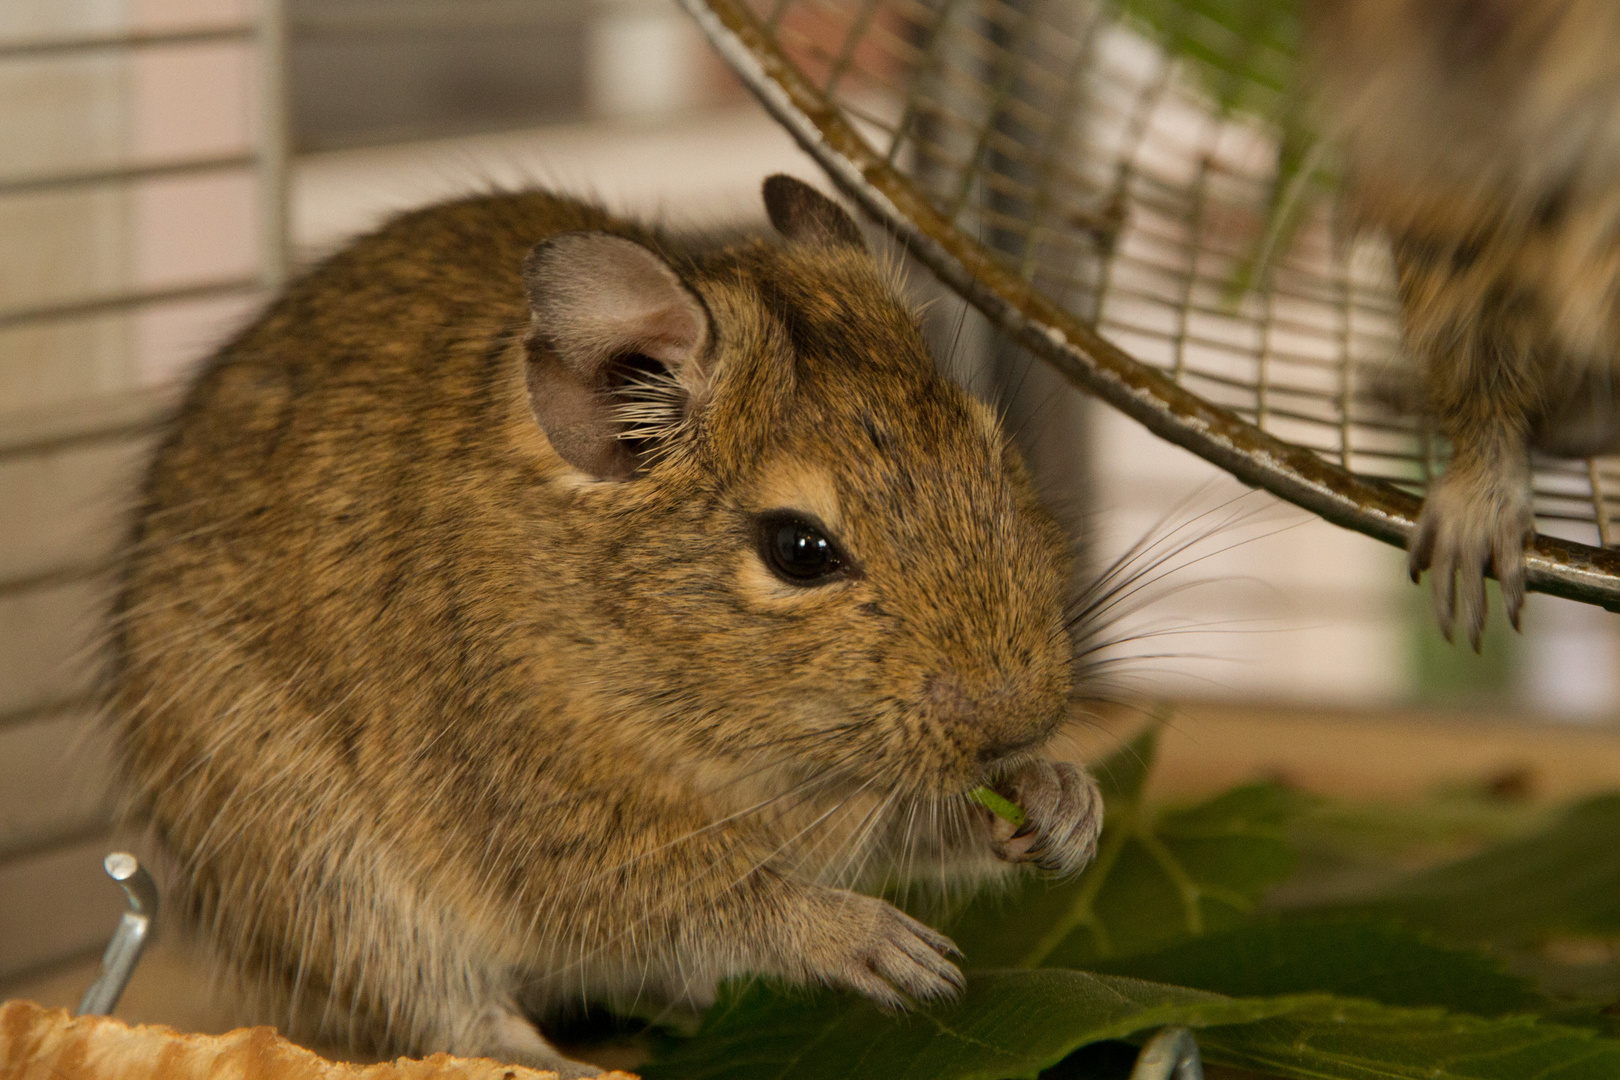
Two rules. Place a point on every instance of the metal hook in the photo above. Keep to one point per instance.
(1172, 1053)
(124, 950)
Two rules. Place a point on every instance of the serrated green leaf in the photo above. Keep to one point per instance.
(1009, 1025)
(1006, 1025)
(1564, 879)
(1358, 959)
(1348, 1040)
(1312, 1000)
(1159, 877)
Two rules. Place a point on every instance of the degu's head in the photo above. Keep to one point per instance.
(833, 556)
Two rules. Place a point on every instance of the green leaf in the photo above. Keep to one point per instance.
(1348, 1040)
(1358, 959)
(1564, 879)
(1171, 899)
(1157, 878)
(1009, 1025)
(1006, 1024)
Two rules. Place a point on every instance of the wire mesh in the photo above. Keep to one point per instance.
(1105, 199)
(90, 180)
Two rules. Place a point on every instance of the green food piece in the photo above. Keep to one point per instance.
(1007, 811)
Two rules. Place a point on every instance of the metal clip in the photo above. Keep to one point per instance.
(1172, 1053)
(124, 950)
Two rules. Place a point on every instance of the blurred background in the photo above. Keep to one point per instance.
(166, 163)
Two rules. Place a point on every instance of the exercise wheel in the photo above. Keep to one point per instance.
(1106, 200)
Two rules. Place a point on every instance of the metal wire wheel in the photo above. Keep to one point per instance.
(1101, 200)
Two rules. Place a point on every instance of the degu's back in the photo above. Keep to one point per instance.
(530, 607)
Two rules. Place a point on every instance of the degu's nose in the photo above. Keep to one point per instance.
(995, 722)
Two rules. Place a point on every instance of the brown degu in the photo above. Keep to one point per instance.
(533, 608)
(1484, 137)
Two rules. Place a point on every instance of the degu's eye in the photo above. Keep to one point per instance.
(797, 551)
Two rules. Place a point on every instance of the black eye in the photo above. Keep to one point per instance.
(796, 551)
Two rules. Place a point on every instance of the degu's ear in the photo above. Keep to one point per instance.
(806, 216)
(617, 345)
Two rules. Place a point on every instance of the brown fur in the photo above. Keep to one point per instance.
(442, 730)
(1484, 136)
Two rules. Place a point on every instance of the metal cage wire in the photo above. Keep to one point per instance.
(1052, 163)
(114, 425)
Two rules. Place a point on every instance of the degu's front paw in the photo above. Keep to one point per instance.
(1473, 523)
(873, 948)
(1063, 813)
